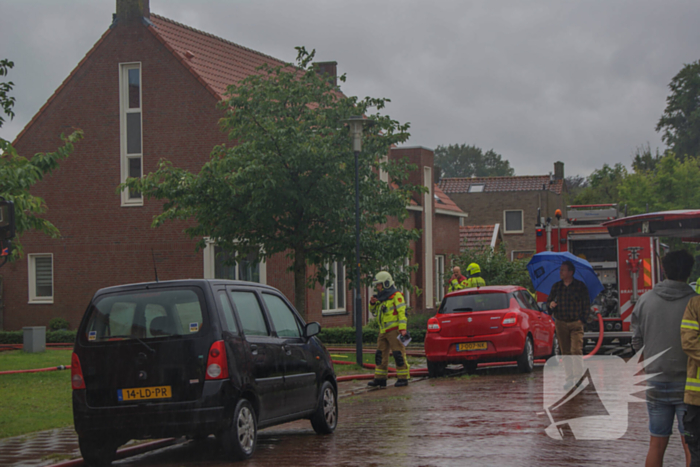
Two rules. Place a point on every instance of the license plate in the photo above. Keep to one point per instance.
(155, 392)
(472, 346)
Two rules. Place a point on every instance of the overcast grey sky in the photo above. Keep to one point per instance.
(536, 80)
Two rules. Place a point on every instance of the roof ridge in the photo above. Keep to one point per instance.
(506, 177)
(199, 31)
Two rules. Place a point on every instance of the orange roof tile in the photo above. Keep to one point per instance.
(476, 237)
(216, 61)
(442, 201)
(493, 184)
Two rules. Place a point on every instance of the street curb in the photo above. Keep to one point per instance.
(123, 453)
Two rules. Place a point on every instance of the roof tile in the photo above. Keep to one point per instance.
(475, 237)
(494, 184)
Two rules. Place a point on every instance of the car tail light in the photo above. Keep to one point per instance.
(76, 373)
(217, 365)
(433, 325)
(510, 319)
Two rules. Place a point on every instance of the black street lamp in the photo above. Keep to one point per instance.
(356, 124)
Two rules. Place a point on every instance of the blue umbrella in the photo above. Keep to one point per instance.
(544, 272)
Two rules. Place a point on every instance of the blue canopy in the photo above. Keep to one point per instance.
(544, 272)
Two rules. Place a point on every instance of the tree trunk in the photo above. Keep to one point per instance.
(300, 282)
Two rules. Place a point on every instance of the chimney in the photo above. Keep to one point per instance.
(559, 170)
(330, 69)
(129, 10)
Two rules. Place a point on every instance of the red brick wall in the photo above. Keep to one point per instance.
(102, 243)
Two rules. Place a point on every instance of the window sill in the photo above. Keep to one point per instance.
(40, 302)
(132, 205)
(333, 312)
(515, 232)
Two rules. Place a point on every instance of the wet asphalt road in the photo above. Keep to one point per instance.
(491, 419)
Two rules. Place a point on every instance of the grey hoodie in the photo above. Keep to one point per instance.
(656, 326)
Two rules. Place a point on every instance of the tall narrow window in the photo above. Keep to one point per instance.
(131, 129)
(40, 278)
(333, 292)
(439, 278)
(221, 264)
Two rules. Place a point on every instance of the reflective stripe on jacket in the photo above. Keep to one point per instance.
(390, 313)
(457, 285)
(690, 340)
(476, 282)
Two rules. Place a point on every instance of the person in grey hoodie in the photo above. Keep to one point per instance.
(656, 324)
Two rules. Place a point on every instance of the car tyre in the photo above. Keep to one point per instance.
(556, 350)
(97, 452)
(240, 438)
(325, 419)
(436, 369)
(526, 360)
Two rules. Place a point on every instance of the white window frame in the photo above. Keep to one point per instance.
(522, 221)
(428, 259)
(31, 262)
(439, 278)
(383, 174)
(209, 254)
(326, 308)
(404, 291)
(514, 252)
(124, 109)
(476, 188)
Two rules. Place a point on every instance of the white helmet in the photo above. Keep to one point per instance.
(383, 278)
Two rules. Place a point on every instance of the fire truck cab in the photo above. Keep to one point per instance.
(627, 266)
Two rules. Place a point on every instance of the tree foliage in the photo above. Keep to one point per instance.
(575, 184)
(680, 122)
(496, 266)
(675, 184)
(644, 160)
(461, 160)
(287, 183)
(18, 174)
(603, 185)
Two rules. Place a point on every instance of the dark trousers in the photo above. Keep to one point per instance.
(691, 424)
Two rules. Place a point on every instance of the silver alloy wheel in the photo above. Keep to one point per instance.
(245, 430)
(530, 354)
(329, 407)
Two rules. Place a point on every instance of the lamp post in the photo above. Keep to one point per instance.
(356, 124)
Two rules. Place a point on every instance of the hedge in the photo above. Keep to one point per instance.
(346, 335)
(52, 337)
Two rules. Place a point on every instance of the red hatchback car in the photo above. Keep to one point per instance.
(489, 324)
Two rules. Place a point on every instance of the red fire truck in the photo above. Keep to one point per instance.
(627, 266)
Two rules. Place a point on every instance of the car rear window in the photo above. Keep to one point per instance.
(147, 314)
(474, 302)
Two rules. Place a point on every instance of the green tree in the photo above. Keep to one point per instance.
(496, 266)
(603, 185)
(644, 160)
(675, 184)
(575, 184)
(460, 160)
(680, 122)
(288, 182)
(18, 174)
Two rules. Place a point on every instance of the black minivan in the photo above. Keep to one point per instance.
(194, 358)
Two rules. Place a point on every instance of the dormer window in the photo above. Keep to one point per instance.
(476, 188)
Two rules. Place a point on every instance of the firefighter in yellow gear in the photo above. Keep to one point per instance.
(690, 340)
(389, 308)
(475, 279)
(457, 281)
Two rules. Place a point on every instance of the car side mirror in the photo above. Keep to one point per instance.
(312, 329)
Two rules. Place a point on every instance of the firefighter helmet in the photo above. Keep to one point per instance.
(383, 278)
(473, 268)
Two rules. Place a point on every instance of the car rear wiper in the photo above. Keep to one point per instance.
(463, 309)
(152, 350)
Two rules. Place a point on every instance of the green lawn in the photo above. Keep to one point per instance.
(34, 401)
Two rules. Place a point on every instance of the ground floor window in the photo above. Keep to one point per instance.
(40, 278)
(221, 264)
(333, 293)
(439, 278)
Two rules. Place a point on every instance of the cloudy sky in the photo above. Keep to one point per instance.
(538, 81)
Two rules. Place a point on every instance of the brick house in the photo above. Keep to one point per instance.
(511, 202)
(148, 90)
